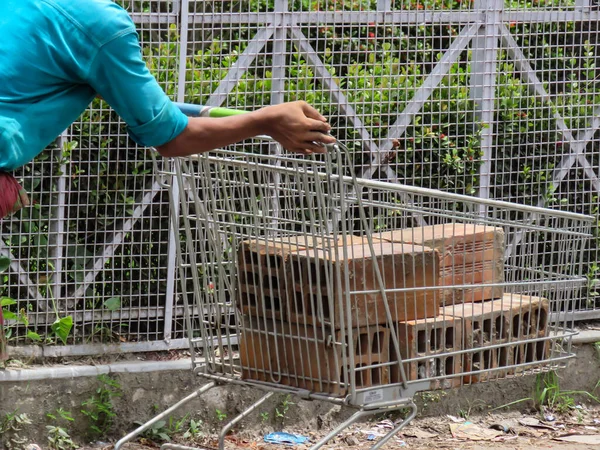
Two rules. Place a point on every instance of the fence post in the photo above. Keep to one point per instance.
(484, 51)
(174, 225)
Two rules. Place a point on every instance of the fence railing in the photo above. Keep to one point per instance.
(492, 98)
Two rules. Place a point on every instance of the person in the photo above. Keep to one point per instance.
(56, 56)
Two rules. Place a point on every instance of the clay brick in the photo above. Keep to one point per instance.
(402, 267)
(312, 358)
(433, 339)
(471, 254)
(511, 320)
(263, 271)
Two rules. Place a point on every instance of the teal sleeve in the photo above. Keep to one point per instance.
(119, 74)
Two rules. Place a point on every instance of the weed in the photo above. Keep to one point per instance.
(10, 425)
(61, 413)
(547, 393)
(99, 408)
(157, 431)
(597, 348)
(59, 439)
(194, 430)
(282, 410)
(264, 417)
(221, 416)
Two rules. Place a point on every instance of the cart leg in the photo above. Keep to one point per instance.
(245, 413)
(341, 427)
(395, 431)
(164, 414)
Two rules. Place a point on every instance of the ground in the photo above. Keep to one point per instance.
(508, 430)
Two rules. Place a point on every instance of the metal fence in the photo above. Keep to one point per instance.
(497, 99)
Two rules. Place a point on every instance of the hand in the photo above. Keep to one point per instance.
(297, 126)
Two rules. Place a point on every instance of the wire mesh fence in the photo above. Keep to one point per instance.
(485, 98)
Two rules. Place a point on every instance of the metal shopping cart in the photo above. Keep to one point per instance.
(298, 277)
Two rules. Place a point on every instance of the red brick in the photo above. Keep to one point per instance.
(471, 254)
(402, 267)
(433, 339)
(311, 358)
(511, 320)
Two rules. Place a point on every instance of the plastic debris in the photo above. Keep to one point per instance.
(418, 433)
(371, 437)
(386, 424)
(597, 421)
(401, 443)
(549, 418)
(535, 423)
(455, 419)
(285, 438)
(473, 432)
(590, 439)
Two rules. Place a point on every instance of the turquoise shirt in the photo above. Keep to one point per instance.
(55, 57)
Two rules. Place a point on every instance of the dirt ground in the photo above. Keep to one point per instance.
(577, 430)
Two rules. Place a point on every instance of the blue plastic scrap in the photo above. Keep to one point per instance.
(285, 438)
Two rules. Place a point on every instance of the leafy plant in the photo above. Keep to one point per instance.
(547, 393)
(194, 430)
(221, 416)
(283, 408)
(99, 408)
(59, 438)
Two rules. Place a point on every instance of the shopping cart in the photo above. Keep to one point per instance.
(298, 277)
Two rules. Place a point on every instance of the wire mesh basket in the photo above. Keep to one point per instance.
(299, 277)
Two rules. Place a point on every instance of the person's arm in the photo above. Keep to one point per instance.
(297, 126)
(120, 76)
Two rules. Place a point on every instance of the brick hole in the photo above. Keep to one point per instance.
(487, 329)
(300, 303)
(273, 303)
(313, 273)
(325, 305)
(248, 299)
(526, 324)
(449, 365)
(251, 278)
(274, 261)
(501, 332)
(249, 257)
(271, 282)
(541, 350)
(516, 325)
(362, 344)
(361, 376)
(421, 370)
(530, 353)
(378, 342)
(518, 355)
(439, 367)
(449, 342)
(476, 361)
(376, 376)
(436, 339)
(503, 357)
(543, 319)
(421, 341)
(296, 272)
(476, 325)
(487, 359)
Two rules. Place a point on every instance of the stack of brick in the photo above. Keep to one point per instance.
(502, 333)
(294, 336)
(471, 255)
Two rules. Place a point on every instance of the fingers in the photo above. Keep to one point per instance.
(311, 112)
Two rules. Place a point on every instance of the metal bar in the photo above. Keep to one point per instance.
(57, 227)
(164, 414)
(242, 64)
(173, 222)
(241, 416)
(154, 18)
(423, 93)
(425, 192)
(117, 239)
(24, 278)
(400, 17)
(336, 93)
(577, 316)
(483, 87)
(396, 430)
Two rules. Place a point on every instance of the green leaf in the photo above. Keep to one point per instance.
(6, 301)
(8, 315)
(113, 304)
(33, 336)
(62, 328)
(4, 263)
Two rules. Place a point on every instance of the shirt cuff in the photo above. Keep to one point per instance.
(164, 127)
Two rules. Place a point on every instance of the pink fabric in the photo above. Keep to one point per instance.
(12, 195)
